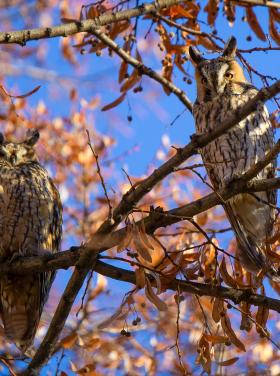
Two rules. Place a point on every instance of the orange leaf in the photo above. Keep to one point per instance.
(131, 81)
(254, 23)
(114, 104)
(161, 306)
(226, 325)
(69, 341)
(20, 96)
(215, 339)
(126, 240)
(225, 275)
(218, 308)
(272, 29)
(140, 246)
(123, 71)
(212, 9)
(228, 362)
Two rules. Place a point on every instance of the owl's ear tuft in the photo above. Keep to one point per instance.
(195, 55)
(32, 136)
(2, 138)
(230, 48)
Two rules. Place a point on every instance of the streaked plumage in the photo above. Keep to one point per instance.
(221, 88)
(30, 225)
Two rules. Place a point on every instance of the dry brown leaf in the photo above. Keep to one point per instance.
(142, 249)
(212, 9)
(275, 14)
(204, 357)
(131, 81)
(88, 370)
(218, 308)
(126, 240)
(177, 11)
(261, 319)
(272, 28)
(215, 338)
(123, 71)
(226, 325)
(254, 23)
(228, 362)
(69, 341)
(145, 237)
(225, 275)
(161, 306)
(246, 322)
(229, 9)
(115, 103)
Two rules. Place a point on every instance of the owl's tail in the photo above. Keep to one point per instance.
(251, 252)
(21, 308)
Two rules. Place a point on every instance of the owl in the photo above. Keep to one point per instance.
(222, 88)
(30, 225)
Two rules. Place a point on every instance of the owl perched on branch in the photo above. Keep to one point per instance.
(221, 88)
(30, 225)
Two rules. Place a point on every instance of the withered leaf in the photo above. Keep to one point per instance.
(115, 103)
(69, 341)
(126, 240)
(226, 325)
(123, 71)
(161, 306)
(254, 23)
(212, 9)
(216, 338)
(228, 362)
(272, 28)
(131, 81)
(225, 275)
(218, 308)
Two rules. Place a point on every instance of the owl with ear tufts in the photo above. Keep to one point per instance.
(30, 225)
(222, 88)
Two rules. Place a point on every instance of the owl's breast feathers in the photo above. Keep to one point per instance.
(30, 225)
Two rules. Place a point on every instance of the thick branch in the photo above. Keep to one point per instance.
(64, 260)
(201, 289)
(23, 36)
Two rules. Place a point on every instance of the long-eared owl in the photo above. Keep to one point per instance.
(221, 88)
(30, 225)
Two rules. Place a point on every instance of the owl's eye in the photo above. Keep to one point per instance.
(229, 75)
(204, 80)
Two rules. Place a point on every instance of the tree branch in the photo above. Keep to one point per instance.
(154, 221)
(23, 36)
(201, 289)
(262, 3)
(90, 252)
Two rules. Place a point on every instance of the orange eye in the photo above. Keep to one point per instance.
(229, 75)
(203, 80)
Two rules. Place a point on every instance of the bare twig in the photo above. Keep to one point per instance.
(100, 176)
